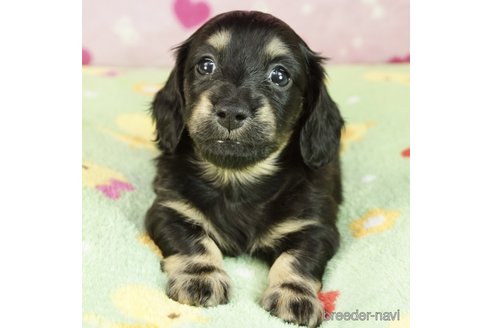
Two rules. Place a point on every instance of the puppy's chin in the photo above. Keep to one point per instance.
(231, 154)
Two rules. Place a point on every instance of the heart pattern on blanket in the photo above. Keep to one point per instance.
(136, 130)
(114, 188)
(86, 57)
(328, 299)
(354, 132)
(191, 14)
(374, 221)
(150, 307)
(110, 182)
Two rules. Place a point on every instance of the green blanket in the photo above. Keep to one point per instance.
(122, 282)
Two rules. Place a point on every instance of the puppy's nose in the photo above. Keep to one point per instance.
(232, 117)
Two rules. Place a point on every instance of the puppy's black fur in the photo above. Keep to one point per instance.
(247, 189)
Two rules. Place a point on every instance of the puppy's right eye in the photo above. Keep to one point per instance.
(279, 76)
(205, 66)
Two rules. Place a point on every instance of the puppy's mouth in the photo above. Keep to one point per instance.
(233, 154)
(228, 142)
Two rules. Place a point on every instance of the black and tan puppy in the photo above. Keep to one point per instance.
(249, 139)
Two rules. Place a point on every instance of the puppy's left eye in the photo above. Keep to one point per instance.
(279, 76)
(205, 66)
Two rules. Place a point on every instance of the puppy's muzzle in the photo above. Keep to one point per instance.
(232, 117)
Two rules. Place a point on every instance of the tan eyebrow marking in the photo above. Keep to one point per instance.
(276, 47)
(220, 39)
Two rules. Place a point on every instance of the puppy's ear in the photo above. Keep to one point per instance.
(320, 133)
(167, 107)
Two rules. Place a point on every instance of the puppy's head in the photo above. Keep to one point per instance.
(244, 85)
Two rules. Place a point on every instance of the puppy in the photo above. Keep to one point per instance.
(249, 139)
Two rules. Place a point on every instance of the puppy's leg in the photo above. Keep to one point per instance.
(192, 260)
(295, 276)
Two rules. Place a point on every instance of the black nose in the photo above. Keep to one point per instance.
(232, 117)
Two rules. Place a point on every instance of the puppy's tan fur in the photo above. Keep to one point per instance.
(193, 215)
(280, 230)
(248, 175)
(219, 40)
(283, 273)
(276, 48)
(218, 280)
(201, 111)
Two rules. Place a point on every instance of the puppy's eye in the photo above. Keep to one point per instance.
(279, 76)
(205, 66)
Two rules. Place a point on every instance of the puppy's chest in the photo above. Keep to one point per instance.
(238, 225)
(237, 216)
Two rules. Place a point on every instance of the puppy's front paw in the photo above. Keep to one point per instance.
(199, 285)
(294, 302)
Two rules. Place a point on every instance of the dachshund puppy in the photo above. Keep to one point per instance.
(249, 163)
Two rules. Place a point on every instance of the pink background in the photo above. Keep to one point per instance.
(141, 33)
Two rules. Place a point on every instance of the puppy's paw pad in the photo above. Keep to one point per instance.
(204, 286)
(294, 302)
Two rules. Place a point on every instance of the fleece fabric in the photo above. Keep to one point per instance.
(123, 286)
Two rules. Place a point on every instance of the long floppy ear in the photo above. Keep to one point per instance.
(167, 107)
(320, 134)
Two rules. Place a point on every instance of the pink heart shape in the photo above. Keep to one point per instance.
(114, 189)
(190, 14)
(86, 57)
(328, 299)
(398, 60)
